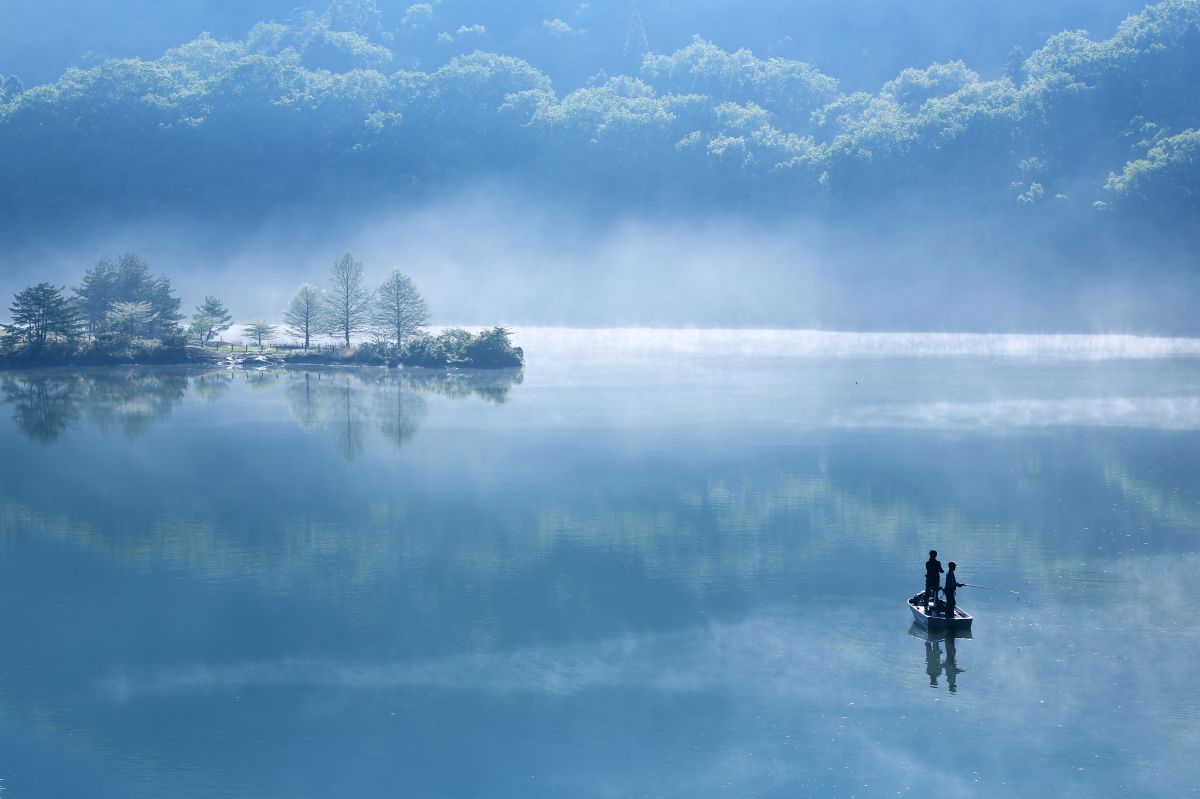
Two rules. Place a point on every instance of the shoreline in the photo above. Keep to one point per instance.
(251, 361)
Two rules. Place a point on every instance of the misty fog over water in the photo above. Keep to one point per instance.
(486, 256)
(461, 399)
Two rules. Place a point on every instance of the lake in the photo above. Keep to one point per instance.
(651, 564)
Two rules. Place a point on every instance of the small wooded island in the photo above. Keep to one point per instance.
(120, 313)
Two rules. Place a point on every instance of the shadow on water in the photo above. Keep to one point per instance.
(941, 654)
(45, 405)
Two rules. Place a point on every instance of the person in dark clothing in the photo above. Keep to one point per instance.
(952, 585)
(933, 568)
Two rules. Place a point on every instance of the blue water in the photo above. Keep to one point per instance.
(651, 564)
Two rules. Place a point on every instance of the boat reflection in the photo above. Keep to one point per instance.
(941, 654)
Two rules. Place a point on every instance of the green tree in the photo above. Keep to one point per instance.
(304, 313)
(10, 87)
(201, 326)
(360, 16)
(42, 314)
(96, 293)
(210, 318)
(348, 302)
(1164, 181)
(493, 349)
(260, 331)
(400, 312)
(127, 279)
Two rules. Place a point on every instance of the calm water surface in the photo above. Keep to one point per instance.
(651, 565)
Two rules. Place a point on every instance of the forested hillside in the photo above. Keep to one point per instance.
(327, 105)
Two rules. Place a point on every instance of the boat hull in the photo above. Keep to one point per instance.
(935, 617)
(938, 633)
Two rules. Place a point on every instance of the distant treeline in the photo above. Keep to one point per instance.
(314, 107)
(122, 313)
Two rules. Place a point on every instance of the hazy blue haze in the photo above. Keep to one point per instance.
(655, 562)
(674, 567)
(891, 166)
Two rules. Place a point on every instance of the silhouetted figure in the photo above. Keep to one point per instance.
(933, 662)
(933, 568)
(952, 585)
(952, 669)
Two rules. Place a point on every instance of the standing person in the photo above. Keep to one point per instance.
(952, 585)
(933, 568)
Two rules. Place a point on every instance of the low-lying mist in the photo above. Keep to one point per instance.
(497, 255)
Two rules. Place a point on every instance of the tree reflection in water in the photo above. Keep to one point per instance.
(43, 409)
(211, 386)
(129, 401)
(349, 402)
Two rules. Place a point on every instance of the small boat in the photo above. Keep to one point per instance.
(935, 615)
(939, 633)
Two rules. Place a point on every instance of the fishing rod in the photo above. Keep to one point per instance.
(992, 588)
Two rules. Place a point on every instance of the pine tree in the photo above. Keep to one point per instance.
(210, 318)
(42, 314)
(127, 279)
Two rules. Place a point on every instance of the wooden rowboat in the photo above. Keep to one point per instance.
(934, 616)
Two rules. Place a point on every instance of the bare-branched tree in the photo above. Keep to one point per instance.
(348, 302)
(261, 332)
(400, 311)
(304, 314)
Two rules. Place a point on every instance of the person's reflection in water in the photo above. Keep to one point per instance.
(941, 654)
(951, 666)
(933, 662)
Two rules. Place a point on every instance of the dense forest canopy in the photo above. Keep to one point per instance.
(326, 104)
(863, 163)
(863, 42)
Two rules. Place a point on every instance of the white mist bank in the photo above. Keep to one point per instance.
(552, 343)
(1165, 413)
(818, 380)
(496, 252)
(640, 343)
